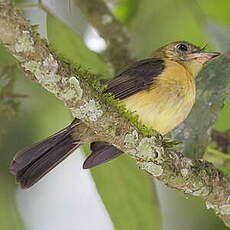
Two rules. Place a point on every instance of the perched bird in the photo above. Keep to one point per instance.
(160, 89)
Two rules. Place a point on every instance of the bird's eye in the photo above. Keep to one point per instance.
(182, 47)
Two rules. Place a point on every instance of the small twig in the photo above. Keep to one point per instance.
(114, 33)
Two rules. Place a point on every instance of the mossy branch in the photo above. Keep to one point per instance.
(74, 87)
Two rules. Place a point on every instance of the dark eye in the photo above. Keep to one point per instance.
(182, 47)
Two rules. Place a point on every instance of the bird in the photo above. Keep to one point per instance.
(160, 89)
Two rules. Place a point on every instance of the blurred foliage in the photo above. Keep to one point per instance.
(182, 211)
(8, 99)
(219, 34)
(218, 151)
(9, 218)
(153, 25)
(70, 45)
(7, 96)
(223, 124)
(216, 10)
(127, 192)
(126, 9)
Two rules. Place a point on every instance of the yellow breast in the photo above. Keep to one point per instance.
(168, 102)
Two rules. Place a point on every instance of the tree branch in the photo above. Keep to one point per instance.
(74, 87)
(115, 35)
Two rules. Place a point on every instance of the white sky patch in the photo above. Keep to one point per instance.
(66, 198)
(94, 41)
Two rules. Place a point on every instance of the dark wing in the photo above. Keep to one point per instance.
(101, 152)
(137, 77)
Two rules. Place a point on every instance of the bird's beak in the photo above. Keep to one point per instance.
(203, 56)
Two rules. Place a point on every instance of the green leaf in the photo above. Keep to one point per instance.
(128, 194)
(70, 46)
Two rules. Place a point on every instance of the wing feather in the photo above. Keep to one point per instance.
(139, 76)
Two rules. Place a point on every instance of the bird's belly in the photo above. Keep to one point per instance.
(162, 113)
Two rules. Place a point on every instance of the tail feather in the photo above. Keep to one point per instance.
(101, 152)
(31, 164)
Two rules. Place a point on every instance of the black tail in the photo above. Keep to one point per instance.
(31, 164)
(101, 152)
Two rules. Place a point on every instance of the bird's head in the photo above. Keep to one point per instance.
(190, 56)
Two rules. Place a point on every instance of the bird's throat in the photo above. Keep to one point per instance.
(193, 67)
